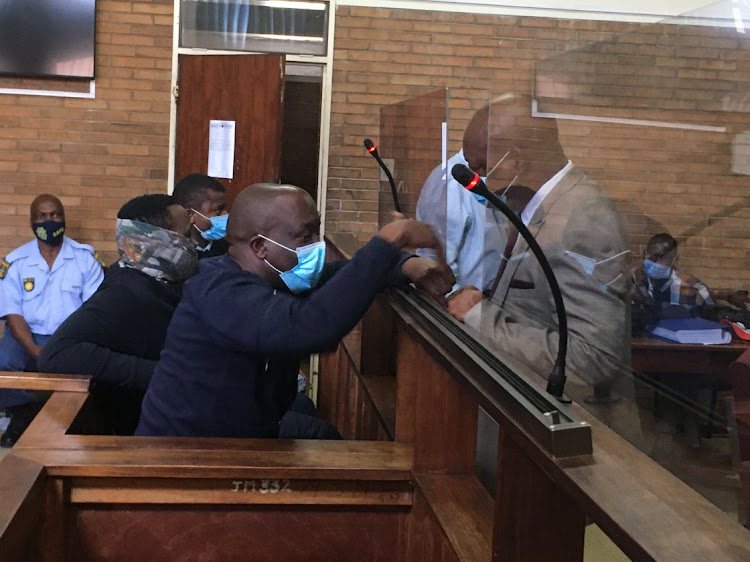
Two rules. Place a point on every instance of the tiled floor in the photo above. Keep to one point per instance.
(598, 548)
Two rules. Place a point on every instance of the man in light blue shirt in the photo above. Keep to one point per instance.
(43, 282)
(474, 234)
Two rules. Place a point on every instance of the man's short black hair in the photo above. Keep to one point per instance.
(152, 209)
(660, 245)
(192, 190)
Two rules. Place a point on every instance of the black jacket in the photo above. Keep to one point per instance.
(218, 248)
(116, 336)
(229, 367)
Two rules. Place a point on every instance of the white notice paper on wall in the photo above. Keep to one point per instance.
(221, 149)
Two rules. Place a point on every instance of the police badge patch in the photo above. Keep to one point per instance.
(28, 284)
(4, 265)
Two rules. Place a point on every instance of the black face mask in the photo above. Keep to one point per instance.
(50, 232)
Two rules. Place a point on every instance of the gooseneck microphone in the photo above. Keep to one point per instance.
(472, 182)
(372, 149)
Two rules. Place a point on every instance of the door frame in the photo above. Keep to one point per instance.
(324, 62)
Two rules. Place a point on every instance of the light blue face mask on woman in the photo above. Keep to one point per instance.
(218, 228)
(306, 274)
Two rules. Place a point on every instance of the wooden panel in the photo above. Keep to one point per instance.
(240, 459)
(421, 537)
(258, 491)
(382, 391)
(328, 386)
(44, 381)
(462, 508)
(636, 502)
(21, 508)
(246, 89)
(744, 472)
(534, 519)
(54, 534)
(379, 339)
(52, 421)
(433, 411)
(125, 534)
(345, 401)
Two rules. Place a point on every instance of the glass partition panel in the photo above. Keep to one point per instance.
(411, 141)
(417, 138)
(624, 148)
(627, 160)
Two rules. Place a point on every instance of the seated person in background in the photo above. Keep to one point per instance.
(43, 282)
(660, 285)
(229, 367)
(663, 291)
(118, 334)
(205, 200)
(474, 233)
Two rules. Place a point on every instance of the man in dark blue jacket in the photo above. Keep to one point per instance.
(229, 366)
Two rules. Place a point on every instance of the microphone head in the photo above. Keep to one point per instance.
(463, 175)
(370, 146)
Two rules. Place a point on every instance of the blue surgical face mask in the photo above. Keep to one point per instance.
(481, 199)
(306, 274)
(218, 228)
(589, 264)
(656, 270)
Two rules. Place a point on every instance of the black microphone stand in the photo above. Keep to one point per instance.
(372, 149)
(471, 181)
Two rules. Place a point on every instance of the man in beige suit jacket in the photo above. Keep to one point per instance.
(581, 233)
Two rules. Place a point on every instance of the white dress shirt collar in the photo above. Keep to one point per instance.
(539, 196)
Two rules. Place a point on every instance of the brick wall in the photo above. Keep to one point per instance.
(663, 179)
(98, 153)
(95, 154)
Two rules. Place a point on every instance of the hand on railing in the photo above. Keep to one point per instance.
(432, 278)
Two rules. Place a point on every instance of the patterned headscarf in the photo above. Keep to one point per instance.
(158, 252)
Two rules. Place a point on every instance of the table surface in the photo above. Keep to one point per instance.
(652, 355)
(736, 346)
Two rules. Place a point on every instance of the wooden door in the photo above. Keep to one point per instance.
(246, 89)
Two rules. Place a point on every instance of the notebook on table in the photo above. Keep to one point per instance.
(692, 330)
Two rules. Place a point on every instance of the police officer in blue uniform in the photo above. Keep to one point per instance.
(43, 282)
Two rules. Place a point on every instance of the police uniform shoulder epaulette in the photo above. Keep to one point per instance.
(21, 252)
(98, 258)
(89, 249)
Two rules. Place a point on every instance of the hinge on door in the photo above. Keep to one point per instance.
(176, 91)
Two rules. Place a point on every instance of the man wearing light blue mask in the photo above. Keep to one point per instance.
(268, 303)
(658, 283)
(474, 233)
(205, 200)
